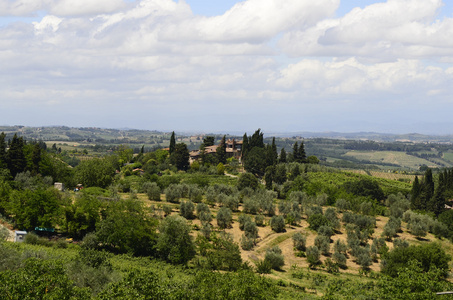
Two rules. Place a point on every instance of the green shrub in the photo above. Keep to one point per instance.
(317, 220)
(186, 209)
(275, 258)
(429, 255)
(323, 244)
(299, 241)
(247, 243)
(313, 256)
(224, 217)
(263, 267)
(278, 224)
(259, 220)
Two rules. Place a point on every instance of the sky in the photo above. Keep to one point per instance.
(228, 66)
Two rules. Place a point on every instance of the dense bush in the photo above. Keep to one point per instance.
(275, 258)
(186, 209)
(323, 244)
(224, 217)
(317, 220)
(313, 256)
(429, 255)
(174, 243)
(299, 241)
(278, 224)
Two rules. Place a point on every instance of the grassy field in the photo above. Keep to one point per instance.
(399, 158)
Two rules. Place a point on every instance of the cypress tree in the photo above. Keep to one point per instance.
(245, 145)
(437, 202)
(274, 152)
(36, 158)
(2, 150)
(257, 139)
(221, 151)
(415, 194)
(302, 156)
(295, 152)
(15, 156)
(172, 146)
(427, 189)
(282, 156)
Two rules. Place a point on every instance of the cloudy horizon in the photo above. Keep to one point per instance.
(232, 66)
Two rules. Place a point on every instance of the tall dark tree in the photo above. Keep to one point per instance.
(245, 145)
(36, 158)
(415, 194)
(437, 202)
(207, 141)
(180, 157)
(15, 156)
(221, 151)
(274, 152)
(257, 140)
(302, 156)
(268, 177)
(255, 161)
(282, 158)
(2, 150)
(172, 146)
(427, 189)
(295, 156)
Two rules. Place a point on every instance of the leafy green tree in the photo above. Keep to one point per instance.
(39, 279)
(82, 216)
(180, 157)
(174, 243)
(172, 146)
(35, 208)
(127, 228)
(429, 255)
(247, 180)
(97, 172)
(365, 187)
(412, 281)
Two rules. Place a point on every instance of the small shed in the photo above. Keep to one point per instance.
(59, 186)
(19, 236)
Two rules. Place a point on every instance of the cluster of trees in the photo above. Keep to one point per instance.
(427, 196)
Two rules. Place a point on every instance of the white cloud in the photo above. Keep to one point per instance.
(352, 77)
(388, 30)
(85, 7)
